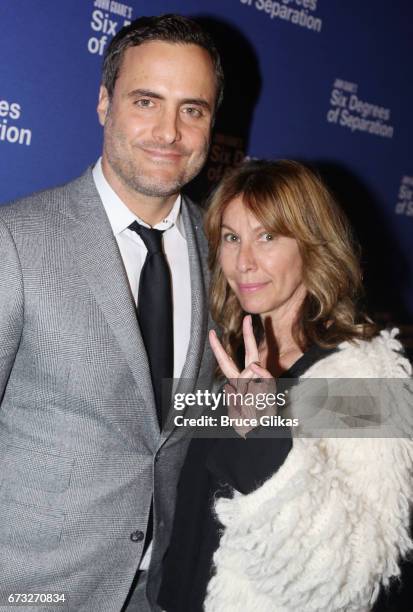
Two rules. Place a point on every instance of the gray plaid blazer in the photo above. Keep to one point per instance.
(81, 453)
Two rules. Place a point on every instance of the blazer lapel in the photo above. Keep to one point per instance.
(96, 252)
(199, 308)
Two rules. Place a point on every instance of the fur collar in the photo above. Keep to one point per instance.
(325, 531)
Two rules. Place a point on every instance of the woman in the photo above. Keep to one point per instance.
(270, 524)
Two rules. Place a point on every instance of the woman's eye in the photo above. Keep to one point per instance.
(267, 237)
(230, 237)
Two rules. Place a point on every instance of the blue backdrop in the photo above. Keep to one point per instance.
(326, 81)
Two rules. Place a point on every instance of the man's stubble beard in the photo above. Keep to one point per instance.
(127, 171)
(144, 184)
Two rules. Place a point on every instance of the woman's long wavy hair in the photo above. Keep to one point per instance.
(290, 200)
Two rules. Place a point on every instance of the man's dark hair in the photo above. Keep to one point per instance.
(168, 28)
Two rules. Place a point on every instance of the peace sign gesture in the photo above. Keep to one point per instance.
(252, 369)
(240, 382)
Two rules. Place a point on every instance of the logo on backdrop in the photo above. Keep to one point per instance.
(298, 12)
(404, 204)
(348, 110)
(107, 18)
(226, 151)
(14, 134)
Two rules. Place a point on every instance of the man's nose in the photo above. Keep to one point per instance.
(166, 129)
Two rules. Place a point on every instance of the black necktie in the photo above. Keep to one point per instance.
(155, 314)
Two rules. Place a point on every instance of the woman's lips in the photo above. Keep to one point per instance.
(251, 287)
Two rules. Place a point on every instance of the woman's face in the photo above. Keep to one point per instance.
(264, 270)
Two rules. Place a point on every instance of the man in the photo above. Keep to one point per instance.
(84, 347)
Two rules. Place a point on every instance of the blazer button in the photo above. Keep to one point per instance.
(137, 536)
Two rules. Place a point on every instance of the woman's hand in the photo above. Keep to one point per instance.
(252, 380)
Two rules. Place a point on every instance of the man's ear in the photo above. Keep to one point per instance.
(103, 104)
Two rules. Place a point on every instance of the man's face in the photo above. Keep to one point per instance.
(157, 124)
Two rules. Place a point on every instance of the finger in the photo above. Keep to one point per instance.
(225, 362)
(232, 401)
(245, 378)
(259, 371)
(242, 384)
(229, 388)
(248, 373)
(251, 349)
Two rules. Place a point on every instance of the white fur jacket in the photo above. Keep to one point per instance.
(331, 525)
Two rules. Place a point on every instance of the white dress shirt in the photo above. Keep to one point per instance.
(133, 252)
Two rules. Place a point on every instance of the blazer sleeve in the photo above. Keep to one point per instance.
(11, 304)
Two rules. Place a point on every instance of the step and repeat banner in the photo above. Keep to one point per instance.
(325, 81)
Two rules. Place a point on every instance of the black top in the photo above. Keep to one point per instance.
(213, 468)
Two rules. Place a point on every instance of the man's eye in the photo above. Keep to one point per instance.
(192, 111)
(230, 237)
(144, 102)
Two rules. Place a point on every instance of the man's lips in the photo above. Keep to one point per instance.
(163, 154)
(251, 287)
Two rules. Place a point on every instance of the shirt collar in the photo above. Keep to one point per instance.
(120, 216)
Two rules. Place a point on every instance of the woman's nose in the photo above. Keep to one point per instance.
(246, 260)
